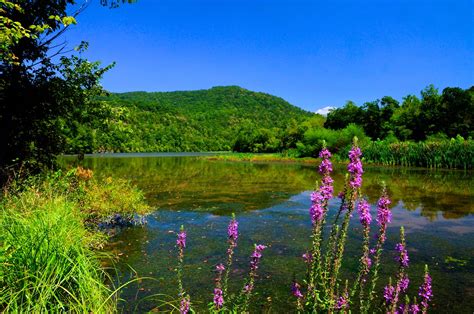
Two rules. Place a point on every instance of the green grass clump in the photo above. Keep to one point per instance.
(49, 260)
(47, 264)
(454, 154)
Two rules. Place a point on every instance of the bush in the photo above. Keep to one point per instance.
(338, 141)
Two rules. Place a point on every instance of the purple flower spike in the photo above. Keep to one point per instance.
(218, 298)
(184, 305)
(295, 289)
(256, 256)
(220, 268)
(403, 257)
(342, 302)
(384, 215)
(181, 242)
(388, 293)
(316, 212)
(320, 198)
(326, 165)
(355, 167)
(307, 257)
(425, 291)
(364, 212)
(233, 230)
(415, 309)
(325, 154)
(404, 283)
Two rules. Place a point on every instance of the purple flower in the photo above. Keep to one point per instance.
(384, 215)
(295, 289)
(388, 293)
(181, 242)
(184, 305)
(233, 230)
(368, 262)
(319, 198)
(355, 167)
(308, 257)
(341, 195)
(324, 153)
(220, 268)
(218, 298)
(342, 302)
(403, 258)
(425, 291)
(256, 256)
(372, 251)
(415, 308)
(248, 288)
(316, 212)
(364, 212)
(404, 283)
(325, 166)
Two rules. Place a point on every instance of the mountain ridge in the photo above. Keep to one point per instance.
(196, 120)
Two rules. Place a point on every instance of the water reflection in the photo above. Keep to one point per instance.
(225, 187)
(271, 202)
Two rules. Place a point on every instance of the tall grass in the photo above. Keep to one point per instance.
(453, 154)
(47, 264)
(48, 260)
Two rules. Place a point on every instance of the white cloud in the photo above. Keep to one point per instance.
(324, 111)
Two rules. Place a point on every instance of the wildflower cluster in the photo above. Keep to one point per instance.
(322, 291)
(221, 301)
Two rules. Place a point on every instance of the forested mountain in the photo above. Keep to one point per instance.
(203, 120)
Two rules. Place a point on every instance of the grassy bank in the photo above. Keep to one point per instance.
(449, 154)
(50, 245)
(272, 157)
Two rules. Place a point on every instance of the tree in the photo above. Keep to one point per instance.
(341, 117)
(457, 111)
(36, 93)
(372, 122)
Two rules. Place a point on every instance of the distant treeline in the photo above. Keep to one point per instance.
(233, 118)
(443, 115)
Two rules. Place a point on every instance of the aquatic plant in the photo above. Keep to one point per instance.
(322, 290)
(455, 153)
(222, 301)
(185, 299)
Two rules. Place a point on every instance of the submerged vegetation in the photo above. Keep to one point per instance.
(49, 256)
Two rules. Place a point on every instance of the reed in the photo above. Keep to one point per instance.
(452, 154)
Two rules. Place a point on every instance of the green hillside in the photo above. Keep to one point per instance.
(201, 120)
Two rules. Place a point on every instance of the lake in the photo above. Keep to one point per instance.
(271, 202)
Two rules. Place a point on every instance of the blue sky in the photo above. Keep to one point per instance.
(311, 53)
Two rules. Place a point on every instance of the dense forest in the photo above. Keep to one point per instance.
(233, 118)
(202, 120)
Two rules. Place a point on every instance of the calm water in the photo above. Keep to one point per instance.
(271, 202)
